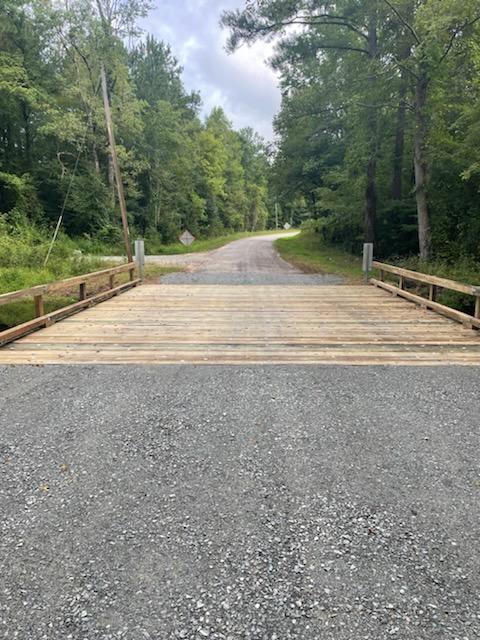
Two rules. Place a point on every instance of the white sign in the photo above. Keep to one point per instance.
(287, 226)
(187, 238)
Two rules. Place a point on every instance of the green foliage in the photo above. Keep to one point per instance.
(178, 171)
(312, 254)
(367, 87)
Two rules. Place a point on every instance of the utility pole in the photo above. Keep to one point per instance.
(118, 175)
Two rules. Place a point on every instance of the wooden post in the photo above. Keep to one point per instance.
(401, 283)
(39, 306)
(112, 281)
(118, 175)
(477, 307)
(432, 293)
(83, 291)
(382, 275)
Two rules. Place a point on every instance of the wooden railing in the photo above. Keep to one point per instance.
(434, 284)
(38, 294)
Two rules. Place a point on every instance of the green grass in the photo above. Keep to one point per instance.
(309, 253)
(11, 315)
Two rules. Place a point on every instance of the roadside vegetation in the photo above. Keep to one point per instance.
(377, 138)
(309, 252)
(154, 247)
(378, 132)
(313, 254)
(25, 269)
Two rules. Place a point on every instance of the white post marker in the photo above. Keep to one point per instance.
(367, 259)
(287, 226)
(140, 257)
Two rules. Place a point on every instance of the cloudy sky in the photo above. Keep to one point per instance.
(241, 83)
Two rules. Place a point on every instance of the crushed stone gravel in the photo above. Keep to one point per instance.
(266, 503)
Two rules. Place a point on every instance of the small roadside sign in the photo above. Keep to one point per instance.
(287, 226)
(187, 238)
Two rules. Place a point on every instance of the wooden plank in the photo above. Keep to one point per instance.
(210, 324)
(62, 285)
(7, 298)
(453, 314)
(39, 306)
(16, 332)
(428, 279)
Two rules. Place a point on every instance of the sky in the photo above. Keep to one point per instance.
(241, 83)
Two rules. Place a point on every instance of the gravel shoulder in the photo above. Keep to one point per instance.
(240, 502)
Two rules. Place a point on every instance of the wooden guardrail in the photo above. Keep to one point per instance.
(434, 283)
(39, 292)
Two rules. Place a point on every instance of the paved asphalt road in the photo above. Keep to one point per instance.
(266, 503)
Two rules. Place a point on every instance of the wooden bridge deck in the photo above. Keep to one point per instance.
(198, 324)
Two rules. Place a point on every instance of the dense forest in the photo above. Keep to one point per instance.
(179, 171)
(378, 137)
(379, 132)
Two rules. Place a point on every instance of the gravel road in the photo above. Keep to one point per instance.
(239, 503)
(248, 261)
(267, 503)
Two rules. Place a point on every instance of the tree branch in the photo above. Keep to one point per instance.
(449, 46)
(403, 21)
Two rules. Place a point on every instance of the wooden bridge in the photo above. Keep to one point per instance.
(220, 324)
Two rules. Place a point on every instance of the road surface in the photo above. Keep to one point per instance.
(248, 261)
(262, 503)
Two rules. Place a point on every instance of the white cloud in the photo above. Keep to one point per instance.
(241, 83)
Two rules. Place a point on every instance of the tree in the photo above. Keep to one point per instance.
(345, 27)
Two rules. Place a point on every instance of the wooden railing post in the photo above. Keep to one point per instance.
(39, 306)
(58, 288)
(434, 283)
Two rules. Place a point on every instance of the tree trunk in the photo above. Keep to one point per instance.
(96, 161)
(111, 178)
(397, 181)
(28, 136)
(371, 200)
(371, 197)
(420, 161)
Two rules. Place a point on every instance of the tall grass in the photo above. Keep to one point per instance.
(23, 248)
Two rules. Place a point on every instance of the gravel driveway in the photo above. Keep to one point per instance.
(239, 503)
(243, 503)
(248, 261)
